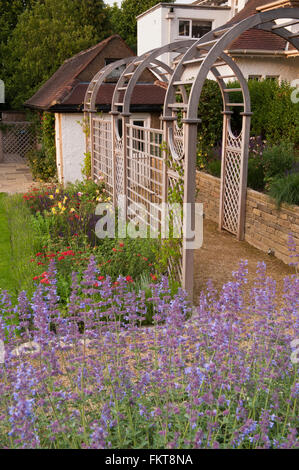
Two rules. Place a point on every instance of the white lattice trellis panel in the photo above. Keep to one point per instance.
(231, 191)
(102, 152)
(178, 135)
(144, 174)
(18, 139)
(119, 163)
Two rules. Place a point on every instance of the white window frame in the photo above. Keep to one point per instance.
(190, 20)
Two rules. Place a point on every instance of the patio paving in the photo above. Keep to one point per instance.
(15, 177)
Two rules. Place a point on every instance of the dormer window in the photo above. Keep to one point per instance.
(194, 28)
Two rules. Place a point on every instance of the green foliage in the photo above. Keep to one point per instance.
(214, 168)
(209, 111)
(86, 170)
(10, 10)
(274, 113)
(43, 161)
(124, 18)
(285, 189)
(130, 257)
(256, 175)
(278, 159)
(170, 248)
(46, 35)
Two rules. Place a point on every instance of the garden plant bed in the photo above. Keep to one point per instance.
(225, 379)
(119, 360)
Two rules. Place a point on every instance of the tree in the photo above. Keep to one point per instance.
(46, 35)
(10, 10)
(125, 22)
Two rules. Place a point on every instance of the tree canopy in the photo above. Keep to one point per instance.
(36, 36)
(47, 33)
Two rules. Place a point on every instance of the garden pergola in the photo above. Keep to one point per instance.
(132, 159)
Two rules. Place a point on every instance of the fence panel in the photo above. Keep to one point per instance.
(18, 139)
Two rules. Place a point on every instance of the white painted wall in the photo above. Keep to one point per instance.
(70, 146)
(71, 143)
(286, 68)
(159, 27)
(149, 31)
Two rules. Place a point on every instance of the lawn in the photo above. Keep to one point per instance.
(6, 278)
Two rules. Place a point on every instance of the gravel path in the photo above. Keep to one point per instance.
(220, 256)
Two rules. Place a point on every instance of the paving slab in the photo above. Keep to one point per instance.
(15, 177)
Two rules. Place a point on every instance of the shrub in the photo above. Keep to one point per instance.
(274, 115)
(285, 189)
(278, 159)
(214, 168)
(256, 175)
(86, 169)
(43, 161)
(43, 167)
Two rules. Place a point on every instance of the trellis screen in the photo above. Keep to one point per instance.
(18, 139)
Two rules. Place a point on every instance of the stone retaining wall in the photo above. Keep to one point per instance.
(266, 227)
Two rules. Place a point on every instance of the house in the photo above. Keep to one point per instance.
(259, 54)
(63, 94)
(168, 22)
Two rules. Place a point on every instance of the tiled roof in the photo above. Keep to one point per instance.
(63, 81)
(143, 94)
(255, 39)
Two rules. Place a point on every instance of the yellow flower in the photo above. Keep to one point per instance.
(73, 210)
(53, 210)
(57, 191)
(65, 199)
(51, 197)
(62, 210)
(59, 205)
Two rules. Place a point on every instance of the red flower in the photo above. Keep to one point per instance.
(115, 250)
(45, 281)
(121, 245)
(129, 279)
(96, 284)
(60, 258)
(101, 278)
(36, 278)
(154, 277)
(116, 283)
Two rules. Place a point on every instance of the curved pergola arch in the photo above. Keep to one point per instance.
(217, 45)
(234, 163)
(209, 56)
